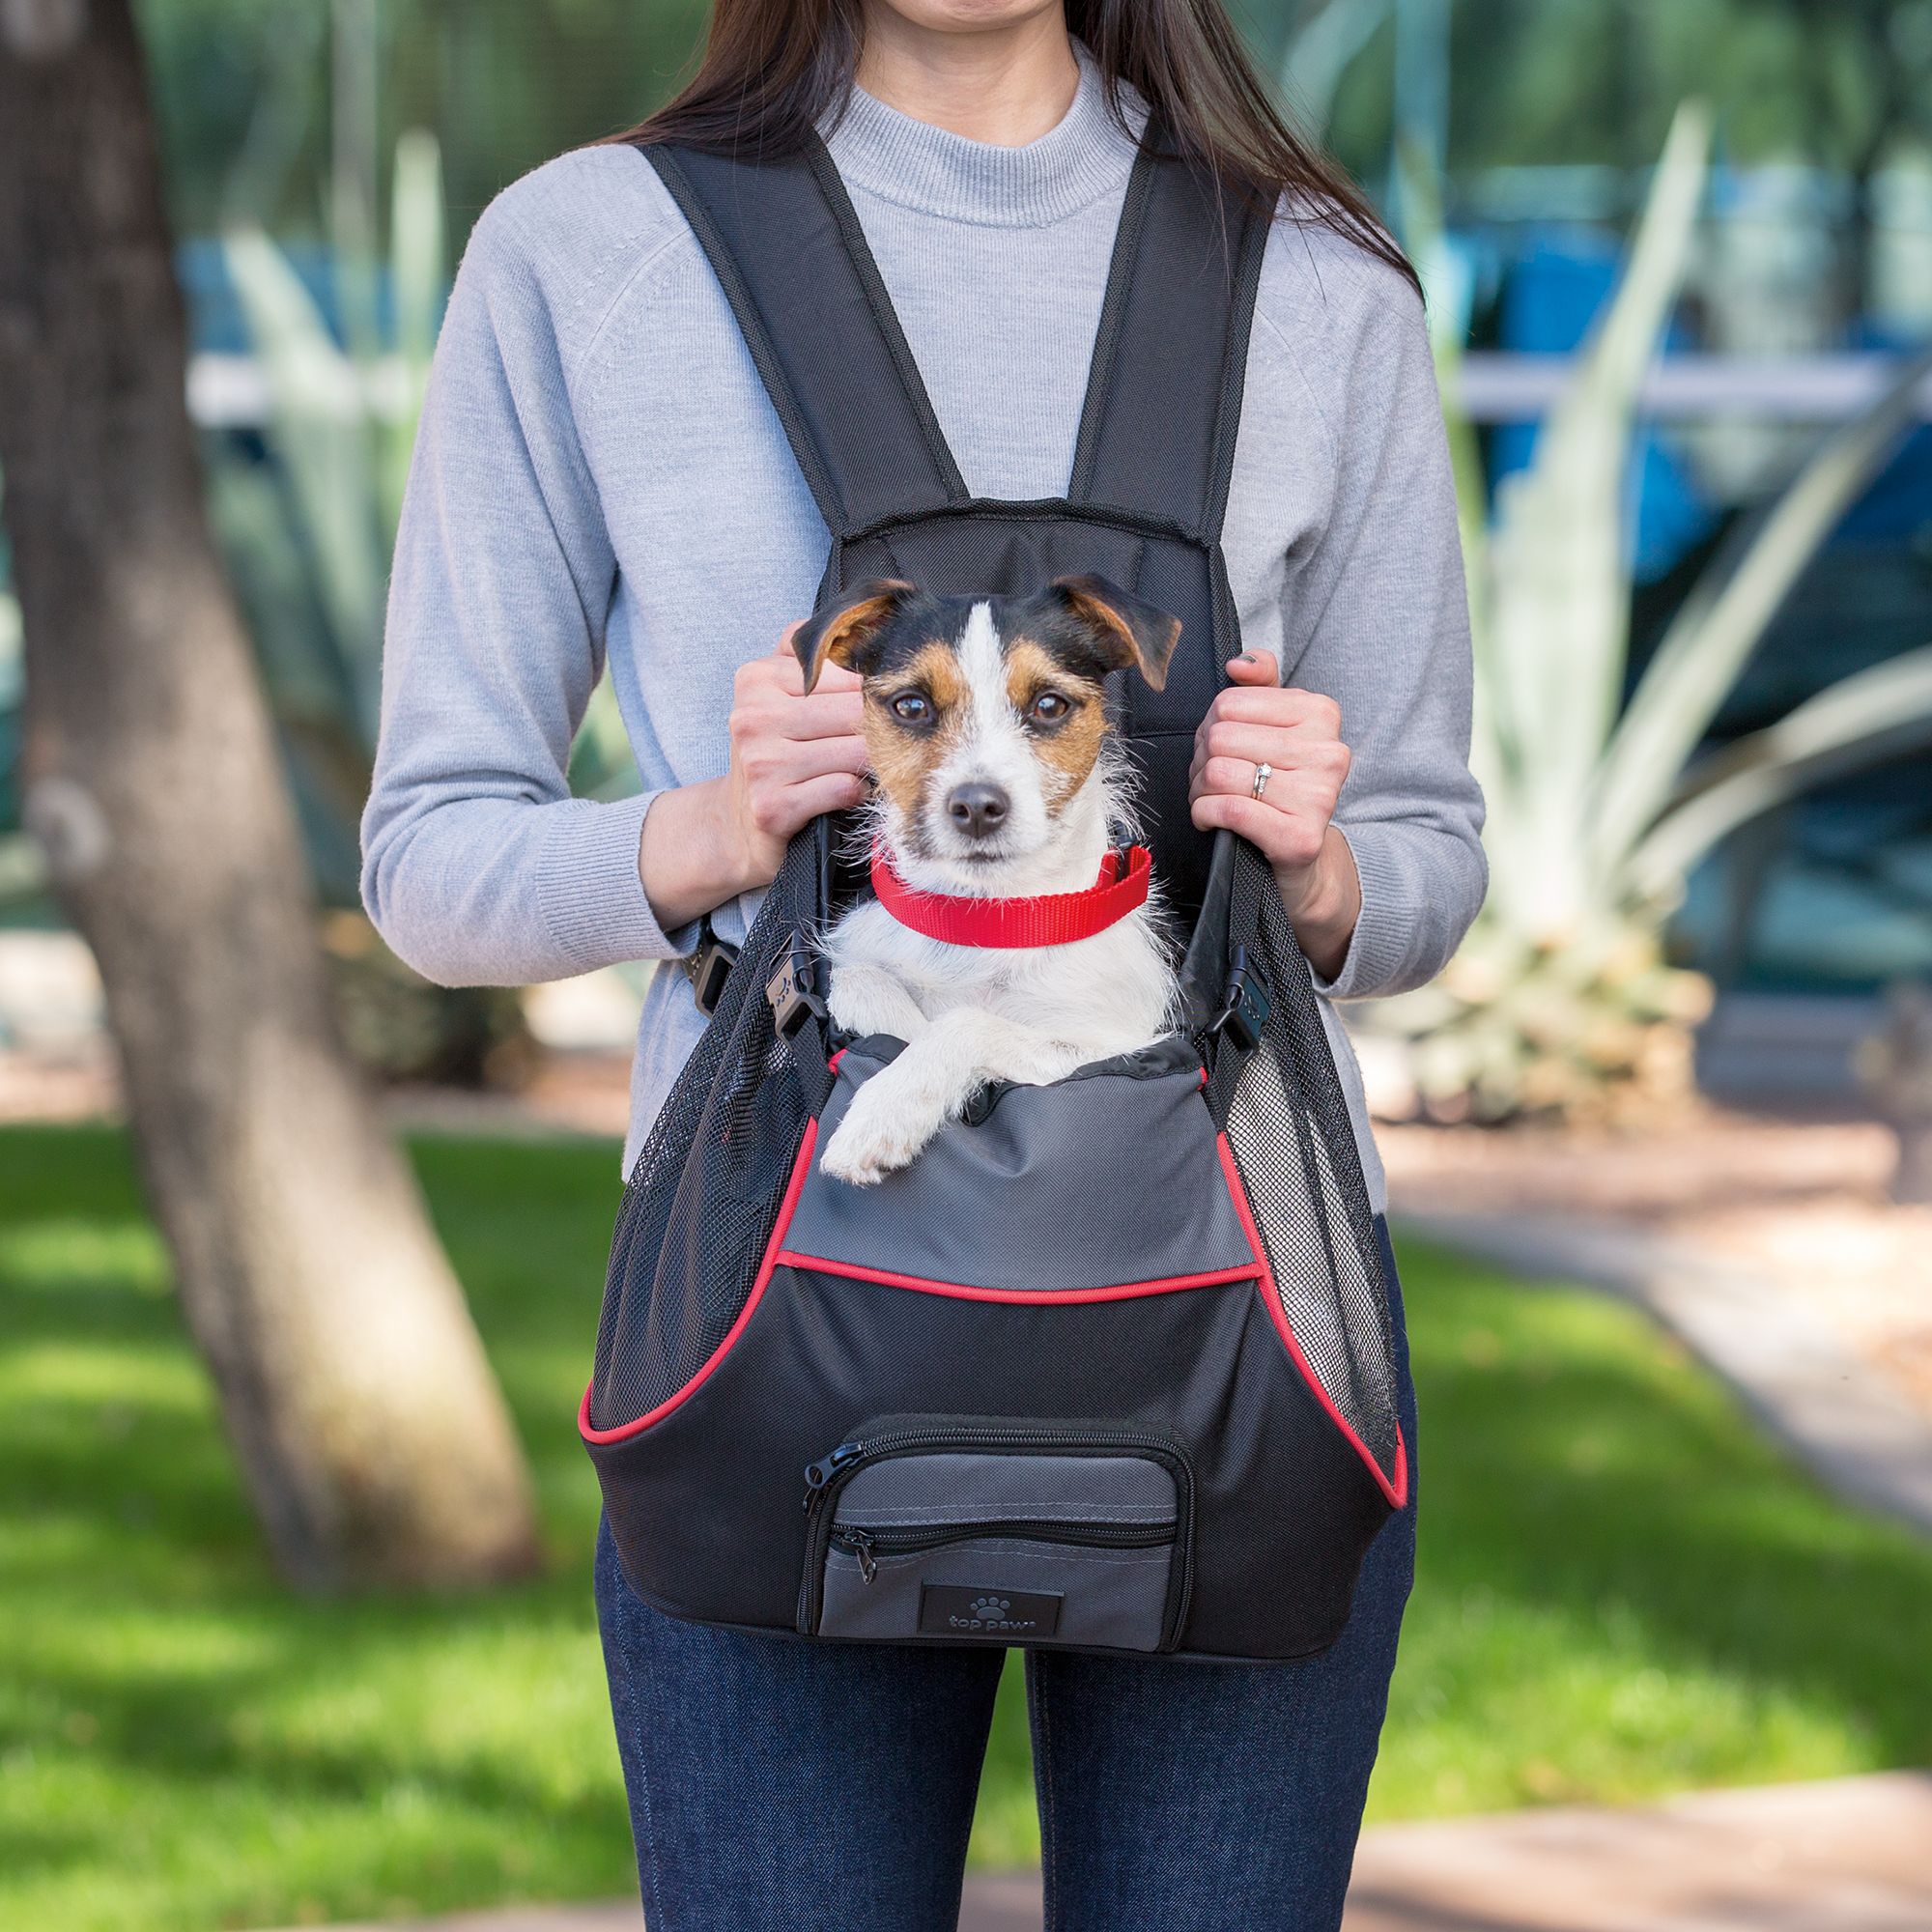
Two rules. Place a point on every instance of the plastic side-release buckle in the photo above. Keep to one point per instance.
(709, 967)
(1248, 1002)
(789, 990)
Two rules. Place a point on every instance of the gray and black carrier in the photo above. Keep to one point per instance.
(1108, 1367)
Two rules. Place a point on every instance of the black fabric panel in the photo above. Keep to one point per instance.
(788, 253)
(707, 1506)
(1032, 1198)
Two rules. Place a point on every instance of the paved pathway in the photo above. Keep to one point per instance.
(1833, 1408)
(1849, 1856)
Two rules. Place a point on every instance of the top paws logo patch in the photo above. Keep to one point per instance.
(957, 1609)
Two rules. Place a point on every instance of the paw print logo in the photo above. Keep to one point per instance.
(991, 1607)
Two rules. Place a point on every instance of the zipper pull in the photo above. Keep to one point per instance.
(860, 1544)
(818, 1474)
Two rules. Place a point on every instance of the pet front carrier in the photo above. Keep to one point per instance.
(1109, 1366)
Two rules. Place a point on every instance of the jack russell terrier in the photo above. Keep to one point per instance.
(1001, 792)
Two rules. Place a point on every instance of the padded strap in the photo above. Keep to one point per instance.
(785, 244)
(1164, 398)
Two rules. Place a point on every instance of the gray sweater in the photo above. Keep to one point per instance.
(599, 478)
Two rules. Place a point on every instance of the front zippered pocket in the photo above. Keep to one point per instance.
(974, 1528)
(868, 1546)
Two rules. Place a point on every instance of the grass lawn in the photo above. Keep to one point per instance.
(1623, 1591)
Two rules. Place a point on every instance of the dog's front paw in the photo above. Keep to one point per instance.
(880, 1134)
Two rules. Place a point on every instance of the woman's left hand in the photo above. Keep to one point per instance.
(1297, 734)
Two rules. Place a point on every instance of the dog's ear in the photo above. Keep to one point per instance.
(840, 634)
(1128, 630)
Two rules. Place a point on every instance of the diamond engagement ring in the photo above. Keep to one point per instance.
(1263, 773)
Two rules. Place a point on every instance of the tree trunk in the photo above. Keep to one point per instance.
(361, 1406)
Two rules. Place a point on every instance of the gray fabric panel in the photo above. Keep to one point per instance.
(1112, 1597)
(911, 1491)
(1095, 1181)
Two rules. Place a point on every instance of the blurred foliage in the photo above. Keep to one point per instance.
(245, 89)
(245, 85)
(307, 517)
(1546, 82)
(1560, 999)
(1623, 1591)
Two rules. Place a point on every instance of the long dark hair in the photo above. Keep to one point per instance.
(774, 70)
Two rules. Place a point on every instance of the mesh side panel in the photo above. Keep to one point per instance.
(1287, 1126)
(705, 1190)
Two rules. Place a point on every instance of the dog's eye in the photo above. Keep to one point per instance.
(1049, 707)
(912, 707)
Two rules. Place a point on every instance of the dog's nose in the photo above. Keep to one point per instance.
(977, 810)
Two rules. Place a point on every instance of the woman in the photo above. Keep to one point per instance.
(599, 478)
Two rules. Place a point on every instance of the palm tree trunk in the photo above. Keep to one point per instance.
(358, 1396)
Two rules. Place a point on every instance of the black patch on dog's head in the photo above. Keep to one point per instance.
(1095, 627)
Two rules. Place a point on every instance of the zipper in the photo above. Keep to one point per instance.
(825, 1478)
(870, 1545)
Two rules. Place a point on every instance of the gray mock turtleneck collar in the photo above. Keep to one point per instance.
(921, 166)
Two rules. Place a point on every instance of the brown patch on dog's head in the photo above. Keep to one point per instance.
(847, 632)
(1124, 629)
(916, 704)
(1064, 709)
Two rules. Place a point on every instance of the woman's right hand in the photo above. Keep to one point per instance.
(792, 758)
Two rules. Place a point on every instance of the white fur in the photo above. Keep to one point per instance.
(970, 1015)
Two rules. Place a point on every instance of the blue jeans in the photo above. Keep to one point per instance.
(783, 1787)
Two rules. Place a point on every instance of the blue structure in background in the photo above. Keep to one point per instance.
(1552, 294)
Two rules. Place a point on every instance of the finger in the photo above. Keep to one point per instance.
(1254, 667)
(1282, 838)
(1291, 709)
(794, 762)
(825, 714)
(770, 714)
(1288, 793)
(836, 791)
(782, 672)
(1285, 749)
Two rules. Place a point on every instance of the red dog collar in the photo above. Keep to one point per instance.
(1052, 918)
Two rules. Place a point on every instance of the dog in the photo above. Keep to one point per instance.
(996, 776)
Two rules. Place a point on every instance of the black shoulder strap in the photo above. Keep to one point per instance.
(1163, 396)
(1179, 303)
(785, 244)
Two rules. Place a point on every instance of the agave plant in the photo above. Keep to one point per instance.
(1562, 998)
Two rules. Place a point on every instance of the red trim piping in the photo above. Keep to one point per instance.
(801, 1167)
(1397, 1491)
(1049, 918)
(1043, 1298)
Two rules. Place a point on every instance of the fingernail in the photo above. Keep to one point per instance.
(1245, 658)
